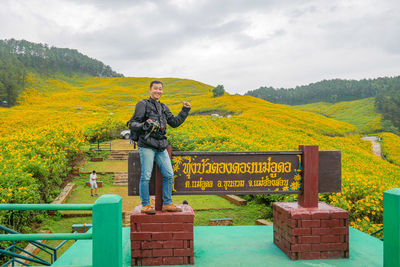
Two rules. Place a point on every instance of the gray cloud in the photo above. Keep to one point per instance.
(241, 44)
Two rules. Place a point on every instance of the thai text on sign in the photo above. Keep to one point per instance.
(223, 173)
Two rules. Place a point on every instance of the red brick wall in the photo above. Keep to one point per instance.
(162, 239)
(311, 233)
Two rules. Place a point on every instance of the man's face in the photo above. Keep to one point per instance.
(156, 91)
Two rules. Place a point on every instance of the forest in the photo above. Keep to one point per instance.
(386, 91)
(19, 57)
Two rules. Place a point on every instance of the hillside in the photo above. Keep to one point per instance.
(385, 90)
(360, 113)
(56, 117)
(331, 91)
(20, 57)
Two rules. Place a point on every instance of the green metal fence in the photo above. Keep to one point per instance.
(100, 146)
(106, 231)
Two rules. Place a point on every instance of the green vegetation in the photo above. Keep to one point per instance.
(360, 113)
(387, 101)
(218, 91)
(18, 57)
(331, 91)
(390, 144)
(12, 78)
(97, 154)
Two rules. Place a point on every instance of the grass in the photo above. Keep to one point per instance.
(360, 113)
(121, 144)
(106, 166)
(241, 215)
(57, 225)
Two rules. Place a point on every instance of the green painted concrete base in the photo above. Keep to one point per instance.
(241, 246)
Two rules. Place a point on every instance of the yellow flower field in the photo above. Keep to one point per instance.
(391, 147)
(54, 115)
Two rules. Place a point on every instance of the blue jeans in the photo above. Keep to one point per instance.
(147, 157)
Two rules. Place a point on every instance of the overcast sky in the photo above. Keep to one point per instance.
(240, 44)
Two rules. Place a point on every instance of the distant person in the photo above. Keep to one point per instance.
(93, 183)
(150, 123)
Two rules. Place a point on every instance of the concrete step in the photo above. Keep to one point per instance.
(127, 219)
(118, 158)
(119, 155)
(263, 222)
(235, 200)
(121, 178)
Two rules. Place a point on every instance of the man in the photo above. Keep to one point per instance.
(150, 122)
(93, 183)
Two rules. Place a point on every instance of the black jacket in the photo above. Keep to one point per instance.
(157, 112)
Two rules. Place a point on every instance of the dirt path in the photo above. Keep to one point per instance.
(376, 146)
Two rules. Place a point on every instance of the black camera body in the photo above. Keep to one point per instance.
(153, 126)
(154, 129)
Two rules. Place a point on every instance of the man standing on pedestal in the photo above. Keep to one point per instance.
(149, 122)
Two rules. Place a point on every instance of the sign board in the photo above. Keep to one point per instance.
(241, 173)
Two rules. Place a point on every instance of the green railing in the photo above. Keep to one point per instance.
(106, 231)
(100, 146)
(52, 251)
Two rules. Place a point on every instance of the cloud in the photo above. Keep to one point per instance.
(241, 44)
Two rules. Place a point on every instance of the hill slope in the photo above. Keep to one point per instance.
(54, 116)
(19, 57)
(360, 113)
(332, 91)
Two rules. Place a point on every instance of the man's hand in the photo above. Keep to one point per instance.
(186, 104)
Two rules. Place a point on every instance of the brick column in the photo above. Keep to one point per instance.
(311, 233)
(165, 238)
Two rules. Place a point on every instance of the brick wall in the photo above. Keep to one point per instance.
(165, 238)
(311, 233)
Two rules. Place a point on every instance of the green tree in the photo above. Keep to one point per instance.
(218, 91)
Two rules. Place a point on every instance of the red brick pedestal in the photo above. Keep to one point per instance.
(165, 238)
(311, 233)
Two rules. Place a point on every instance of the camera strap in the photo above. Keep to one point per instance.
(159, 111)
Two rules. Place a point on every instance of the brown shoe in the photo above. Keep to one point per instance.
(148, 210)
(171, 208)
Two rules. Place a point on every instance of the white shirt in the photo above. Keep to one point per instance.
(93, 177)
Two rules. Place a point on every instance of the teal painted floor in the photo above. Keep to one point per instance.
(241, 246)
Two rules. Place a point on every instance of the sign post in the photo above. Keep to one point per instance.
(309, 196)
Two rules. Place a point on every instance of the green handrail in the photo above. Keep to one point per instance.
(56, 236)
(106, 234)
(46, 206)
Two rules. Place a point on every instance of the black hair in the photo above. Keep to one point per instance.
(156, 82)
(93, 171)
(185, 202)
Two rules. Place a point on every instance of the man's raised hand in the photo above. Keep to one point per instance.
(186, 104)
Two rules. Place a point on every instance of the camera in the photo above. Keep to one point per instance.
(154, 129)
(153, 126)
